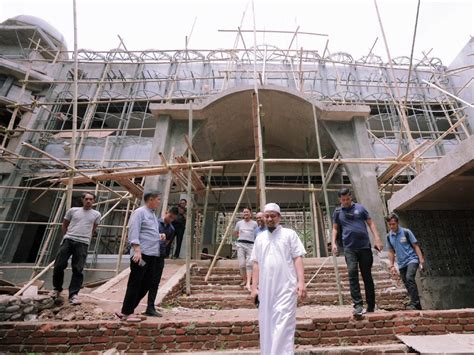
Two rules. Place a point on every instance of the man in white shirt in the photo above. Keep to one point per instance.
(245, 232)
(278, 280)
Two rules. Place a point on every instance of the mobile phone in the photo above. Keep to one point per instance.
(142, 263)
(257, 301)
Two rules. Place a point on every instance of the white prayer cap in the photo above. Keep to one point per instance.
(271, 207)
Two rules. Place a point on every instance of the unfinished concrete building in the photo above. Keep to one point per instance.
(249, 123)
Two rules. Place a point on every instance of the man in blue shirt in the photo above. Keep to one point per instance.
(166, 230)
(402, 243)
(144, 238)
(261, 226)
(354, 219)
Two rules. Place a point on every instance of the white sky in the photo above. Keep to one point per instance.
(352, 26)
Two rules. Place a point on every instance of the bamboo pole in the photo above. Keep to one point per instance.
(50, 232)
(189, 216)
(122, 239)
(257, 131)
(67, 166)
(317, 246)
(229, 225)
(169, 178)
(29, 283)
(72, 152)
(204, 212)
(326, 201)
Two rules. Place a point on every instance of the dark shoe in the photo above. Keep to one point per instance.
(358, 311)
(152, 313)
(411, 308)
(370, 309)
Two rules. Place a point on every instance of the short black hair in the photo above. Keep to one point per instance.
(391, 216)
(344, 192)
(151, 194)
(247, 208)
(84, 194)
(183, 199)
(173, 210)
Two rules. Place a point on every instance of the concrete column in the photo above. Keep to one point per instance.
(160, 143)
(352, 141)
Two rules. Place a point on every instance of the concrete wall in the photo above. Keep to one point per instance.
(351, 139)
(447, 241)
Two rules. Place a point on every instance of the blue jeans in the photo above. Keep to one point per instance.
(362, 259)
(408, 274)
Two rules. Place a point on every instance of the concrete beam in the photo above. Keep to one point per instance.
(433, 177)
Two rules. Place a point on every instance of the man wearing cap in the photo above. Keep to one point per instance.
(278, 280)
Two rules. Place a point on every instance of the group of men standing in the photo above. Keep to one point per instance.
(150, 239)
(270, 259)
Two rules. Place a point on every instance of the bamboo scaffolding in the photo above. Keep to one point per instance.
(230, 223)
(326, 200)
(185, 172)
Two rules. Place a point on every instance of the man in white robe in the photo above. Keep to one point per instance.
(278, 280)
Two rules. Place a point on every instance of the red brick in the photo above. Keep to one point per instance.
(15, 348)
(143, 339)
(454, 328)
(147, 346)
(13, 340)
(79, 340)
(378, 316)
(95, 340)
(112, 325)
(469, 327)
(180, 331)
(366, 332)
(56, 340)
(332, 333)
(384, 331)
(185, 338)
(252, 344)
(247, 337)
(378, 324)
(465, 314)
(348, 333)
(88, 326)
(165, 339)
(148, 325)
(403, 330)
(421, 329)
(120, 346)
(236, 330)
(35, 341)
(169, 331)
(185, 346)
(229, 338)
(225, 331)
(247, 329)
(437, 327)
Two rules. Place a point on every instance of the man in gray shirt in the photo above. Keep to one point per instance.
(144, 237)
(79, 224)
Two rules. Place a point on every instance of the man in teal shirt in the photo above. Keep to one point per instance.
(402, 243)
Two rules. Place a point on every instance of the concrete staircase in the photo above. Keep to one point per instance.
(222, 290)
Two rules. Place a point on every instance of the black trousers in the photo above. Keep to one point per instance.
(78, 251)
(362, 259)
(139, 283)
(160, 265)
(179, 240)
(408, 274)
